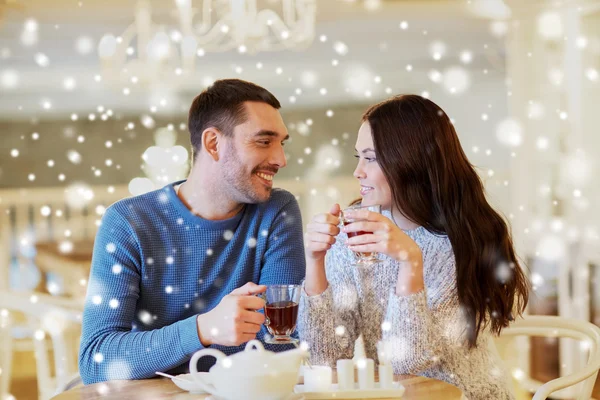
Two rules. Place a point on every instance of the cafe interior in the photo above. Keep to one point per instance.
(94, 98)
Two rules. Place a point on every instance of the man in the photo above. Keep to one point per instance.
(173, 269)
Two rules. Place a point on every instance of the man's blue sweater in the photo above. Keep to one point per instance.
(156, 266)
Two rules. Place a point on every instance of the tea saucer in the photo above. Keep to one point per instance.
(187, 382)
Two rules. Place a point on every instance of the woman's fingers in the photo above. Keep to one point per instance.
(364, 214)
(326, 218)
(320, 233)
(335, 210)
(365, 248)
(319, 237)
(374, 243)
(366, 226)
(317, 247)
(363, 239)
(329, 229)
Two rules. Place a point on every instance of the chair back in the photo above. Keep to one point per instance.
(559, 327)
(5, 352)
(46, 317)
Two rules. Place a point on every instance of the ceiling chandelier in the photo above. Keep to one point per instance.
(145, 48)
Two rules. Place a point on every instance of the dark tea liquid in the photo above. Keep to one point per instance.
(352, 234)
(282, 317)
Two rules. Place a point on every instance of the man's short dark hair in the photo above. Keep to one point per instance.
(221, 105)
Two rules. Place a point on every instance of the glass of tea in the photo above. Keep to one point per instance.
(281, 312)
(362, 259)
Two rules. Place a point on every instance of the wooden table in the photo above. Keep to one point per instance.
(417, 387)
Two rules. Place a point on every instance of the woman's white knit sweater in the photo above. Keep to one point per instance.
(423, 333)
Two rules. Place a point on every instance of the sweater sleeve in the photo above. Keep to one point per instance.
(327, 322)
(417, 332)
(109, 349)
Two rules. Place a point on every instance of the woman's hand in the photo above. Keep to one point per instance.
(388, 239)
(319, 237)
(383, 236)
(321, 232)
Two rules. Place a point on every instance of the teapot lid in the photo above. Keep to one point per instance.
(253, 360)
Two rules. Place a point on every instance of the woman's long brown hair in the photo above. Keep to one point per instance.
(434, 185)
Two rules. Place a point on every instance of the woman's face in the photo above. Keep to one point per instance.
(374, 188)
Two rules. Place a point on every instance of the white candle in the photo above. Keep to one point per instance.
(383, 352)
(317, 378)
(366, 373)
(345, 374)
(386, 376)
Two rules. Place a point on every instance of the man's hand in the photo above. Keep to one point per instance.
(235, 320)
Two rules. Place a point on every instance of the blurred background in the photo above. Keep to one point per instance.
(93, 108)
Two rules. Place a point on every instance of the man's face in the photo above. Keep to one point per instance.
(253, 154)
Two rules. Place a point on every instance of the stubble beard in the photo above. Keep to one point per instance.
(237, 184)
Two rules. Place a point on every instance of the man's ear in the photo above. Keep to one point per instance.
(211, 142)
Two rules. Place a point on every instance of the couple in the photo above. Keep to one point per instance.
(177, 269)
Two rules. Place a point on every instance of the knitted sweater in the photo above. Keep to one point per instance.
(156, 266)
(422, 332)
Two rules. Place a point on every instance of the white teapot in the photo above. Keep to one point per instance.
(250, 374)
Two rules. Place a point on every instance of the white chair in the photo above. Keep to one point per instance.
(58, 318)
(559, 327)
(6, 352)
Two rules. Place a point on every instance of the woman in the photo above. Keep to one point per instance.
(447, 276)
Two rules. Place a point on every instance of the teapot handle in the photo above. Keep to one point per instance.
(256, 344)
(194, 368)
